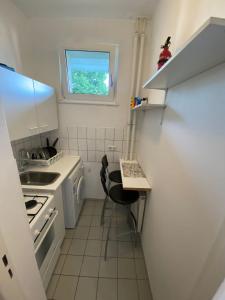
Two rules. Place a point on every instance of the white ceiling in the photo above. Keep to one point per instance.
(87, 8)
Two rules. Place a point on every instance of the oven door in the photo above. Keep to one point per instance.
(46, 240)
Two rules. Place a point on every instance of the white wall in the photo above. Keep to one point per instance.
(183, 237)
(49, 35)
(14, 44)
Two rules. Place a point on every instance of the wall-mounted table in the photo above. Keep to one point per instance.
(133, 178)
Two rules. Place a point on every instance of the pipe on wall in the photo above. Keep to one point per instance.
(142, 26)
(132, 91)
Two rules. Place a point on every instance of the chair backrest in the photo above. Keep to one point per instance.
(105, 162)
(103, 180)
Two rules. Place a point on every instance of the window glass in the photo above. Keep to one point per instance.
(88, 72)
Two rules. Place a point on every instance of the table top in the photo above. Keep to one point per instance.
(133, 178)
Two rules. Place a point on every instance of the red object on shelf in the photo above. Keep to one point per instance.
(165, 55)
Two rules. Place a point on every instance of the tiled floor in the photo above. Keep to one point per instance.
(82, 273)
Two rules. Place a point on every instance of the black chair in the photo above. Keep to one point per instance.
(114, 176)
(121, 197)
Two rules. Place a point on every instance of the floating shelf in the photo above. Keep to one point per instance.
(204, 50)
(148, 106)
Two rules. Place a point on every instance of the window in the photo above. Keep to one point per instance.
(90, 75)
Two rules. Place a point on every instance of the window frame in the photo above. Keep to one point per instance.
(110, 99)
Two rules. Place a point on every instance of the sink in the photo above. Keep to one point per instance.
(38, 178)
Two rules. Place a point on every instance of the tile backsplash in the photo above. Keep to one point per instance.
(91, 143)
(88, 142)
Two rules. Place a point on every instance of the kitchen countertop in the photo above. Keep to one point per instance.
(133, 177)
(63, 166)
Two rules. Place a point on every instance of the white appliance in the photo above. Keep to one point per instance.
(42, 217)
(73, 195)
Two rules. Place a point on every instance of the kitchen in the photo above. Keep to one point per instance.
(177, 138)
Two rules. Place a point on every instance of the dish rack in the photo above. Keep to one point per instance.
(45, 162)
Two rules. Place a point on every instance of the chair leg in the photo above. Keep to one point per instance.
(108, 231)
(103, 210)
(134, 221)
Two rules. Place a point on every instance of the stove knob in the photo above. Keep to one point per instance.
(47, 217)
(51, 210)
(36, 232)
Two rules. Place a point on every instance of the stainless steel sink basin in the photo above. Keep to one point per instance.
(38, 178)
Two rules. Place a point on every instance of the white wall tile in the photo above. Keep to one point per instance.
(108, 143)
(74, 152)
(100, 145)
(83, 155)
(82, 132)
(125, 133)
(72, 132)
(100, 133)
(73, 144)
(118, 134)
(82, 144)
(110, 156)
(64, 145)
(91, 145)
(66, 152)
(117, 156)
(63, 132)
(91, 156)
(124, 146)
(109, 133)
(119, 146)
(99, 155)
(90, 133)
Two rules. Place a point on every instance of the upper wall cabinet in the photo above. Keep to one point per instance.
(17, 93)
(46, 107)
(30, 106)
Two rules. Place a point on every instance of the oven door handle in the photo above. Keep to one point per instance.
(42, 236)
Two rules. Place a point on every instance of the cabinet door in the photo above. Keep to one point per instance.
(46, 107)
(17, 94)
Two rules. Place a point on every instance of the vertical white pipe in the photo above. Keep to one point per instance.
(137, 90)
(133, 76)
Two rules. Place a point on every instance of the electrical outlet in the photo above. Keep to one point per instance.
(112, 148)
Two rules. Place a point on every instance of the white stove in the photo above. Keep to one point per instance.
(39, 210)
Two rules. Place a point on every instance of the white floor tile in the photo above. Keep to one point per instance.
(93, 248)
(65, 246)
(127, 289)
(77, 247)
(108, 268)
(81, 233)
(72, 265)
(60, 263)
(85, 221)
(126, 268)
(90, 266)
(95, 233)
(140, 269)
(144, 290)
(86, 289)
(66, 288)
(126, 249)
(107, 289)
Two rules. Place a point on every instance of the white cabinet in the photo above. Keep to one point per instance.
(46, 107)
(30, 105)
(17, 94)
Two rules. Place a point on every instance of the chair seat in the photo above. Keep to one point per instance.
(121, 196)
(115, 176)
